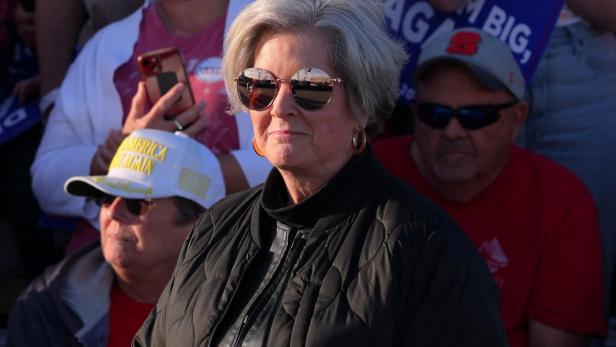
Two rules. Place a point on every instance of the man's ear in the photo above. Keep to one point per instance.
(520, 112)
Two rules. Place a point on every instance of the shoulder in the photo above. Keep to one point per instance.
(40, 307)
(233, 205)
(400, 208)
(415, 228)
(111, 45)
(53, 275)
(430, 250)
(552, 179)
(224, 216)
(129, 23)
(113, 39)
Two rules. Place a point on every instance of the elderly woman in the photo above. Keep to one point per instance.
(331, 250)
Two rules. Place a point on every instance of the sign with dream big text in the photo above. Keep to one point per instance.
(525, 25)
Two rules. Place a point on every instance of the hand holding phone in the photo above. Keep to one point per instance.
(192, 120)
(161, 70)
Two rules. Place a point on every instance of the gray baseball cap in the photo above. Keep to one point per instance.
(489, 58)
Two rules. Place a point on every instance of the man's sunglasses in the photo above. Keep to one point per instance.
(311, 88)
(470, 117)
(135, 206)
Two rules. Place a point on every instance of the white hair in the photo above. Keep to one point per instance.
(359, 48)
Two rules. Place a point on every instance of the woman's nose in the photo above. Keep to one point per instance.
(283, 104)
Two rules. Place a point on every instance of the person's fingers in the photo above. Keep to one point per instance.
(139, 102)
(164, 104)
(189, 116)
(199, 124)
(196, 127)
(137, 109)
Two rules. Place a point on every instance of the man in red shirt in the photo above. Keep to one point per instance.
(532, 220)
(156, 188)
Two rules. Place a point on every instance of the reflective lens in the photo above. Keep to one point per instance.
(311, 88)
(134, 206)
(470, 117)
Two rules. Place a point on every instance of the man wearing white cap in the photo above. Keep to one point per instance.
(157, 186)
(532, 220)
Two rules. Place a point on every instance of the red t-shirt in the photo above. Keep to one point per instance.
(202, 58)
(125, 317)
(536, 227)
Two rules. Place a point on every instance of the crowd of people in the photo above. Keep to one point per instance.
(273, 210)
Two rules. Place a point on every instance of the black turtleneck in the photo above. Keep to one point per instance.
(284, 228)
(275, 198)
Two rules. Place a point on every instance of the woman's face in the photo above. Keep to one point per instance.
(294, 139)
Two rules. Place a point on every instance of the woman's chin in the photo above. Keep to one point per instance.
(287, 156)
(286, 165)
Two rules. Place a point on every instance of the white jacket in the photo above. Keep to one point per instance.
(88, 106)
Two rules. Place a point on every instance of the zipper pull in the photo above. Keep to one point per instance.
(303, 233)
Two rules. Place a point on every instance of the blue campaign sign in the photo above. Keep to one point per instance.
(16, 118)
(525, 25)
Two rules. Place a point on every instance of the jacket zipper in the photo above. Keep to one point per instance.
(293, 258)
(289, 254)
(224, 313)
(269, 273)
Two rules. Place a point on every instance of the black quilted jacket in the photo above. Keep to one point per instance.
(381, 266)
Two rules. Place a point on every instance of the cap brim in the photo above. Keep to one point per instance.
(97, 186)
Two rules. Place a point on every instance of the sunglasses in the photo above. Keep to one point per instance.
(470, 117)
(135, 206)
(311, 88)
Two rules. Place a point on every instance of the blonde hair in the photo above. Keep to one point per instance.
(359, 48)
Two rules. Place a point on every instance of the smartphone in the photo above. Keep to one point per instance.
(161, 70)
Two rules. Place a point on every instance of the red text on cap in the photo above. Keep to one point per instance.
(464, 43)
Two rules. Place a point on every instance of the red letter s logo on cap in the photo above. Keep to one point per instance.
(464, 43)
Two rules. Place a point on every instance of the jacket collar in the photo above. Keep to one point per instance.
(348, 190)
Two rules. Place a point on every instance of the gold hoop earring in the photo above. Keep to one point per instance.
(256, 148)
(358, 141)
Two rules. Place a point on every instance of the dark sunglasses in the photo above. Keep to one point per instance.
(470, 117)
(135, 206)
(311, 88)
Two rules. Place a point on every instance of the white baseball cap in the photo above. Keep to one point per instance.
(156, 164)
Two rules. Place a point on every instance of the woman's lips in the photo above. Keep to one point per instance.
(285, 134)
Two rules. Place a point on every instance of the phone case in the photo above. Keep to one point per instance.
(161, 70)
